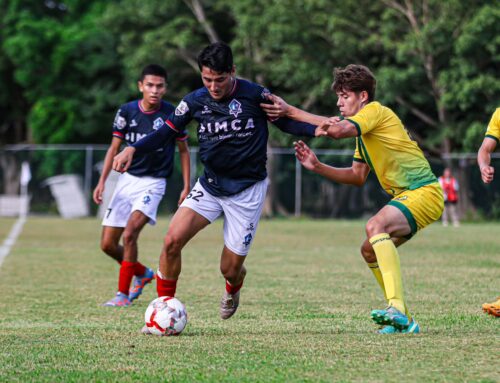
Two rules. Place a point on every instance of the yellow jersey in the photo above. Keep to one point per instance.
(493, 130)
(386, 146)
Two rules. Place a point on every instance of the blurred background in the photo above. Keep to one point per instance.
(66, 67)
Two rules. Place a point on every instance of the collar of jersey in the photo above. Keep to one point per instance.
(148, 111)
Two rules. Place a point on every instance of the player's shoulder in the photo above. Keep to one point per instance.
(130, 106)
(250, 91)
(196, 95)
(167, 107)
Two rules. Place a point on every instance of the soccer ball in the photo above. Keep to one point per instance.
(166, 316)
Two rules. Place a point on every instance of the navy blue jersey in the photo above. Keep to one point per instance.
(132, 124)
(232, 135)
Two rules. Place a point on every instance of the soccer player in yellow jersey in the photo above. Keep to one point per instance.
(487, 173)
(383, 146)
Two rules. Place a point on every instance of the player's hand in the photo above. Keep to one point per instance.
(182, 197)
(305, 155)
(278, 108)
(322, 129)
(122, 160)
(98, 192)
(487, 173)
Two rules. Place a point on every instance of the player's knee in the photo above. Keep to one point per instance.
(108, 247)
(374, 226)
(172, 245)
(230, 273)
(130, 237)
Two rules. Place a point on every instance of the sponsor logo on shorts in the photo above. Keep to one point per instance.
(248, 239)
(146, 200)
(402, 198)
(250, 227)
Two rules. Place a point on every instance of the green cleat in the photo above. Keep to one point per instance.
(390, 316)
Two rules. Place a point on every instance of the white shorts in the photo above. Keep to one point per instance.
(241, 213)
(134, 193)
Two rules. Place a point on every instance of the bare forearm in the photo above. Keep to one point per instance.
(108, 164)
(340, 175)
(301, 115)
(186, 169)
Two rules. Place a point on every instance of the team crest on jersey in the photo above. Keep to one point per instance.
(181, 109)
(158, 123)
(235, 107)
(120, 121)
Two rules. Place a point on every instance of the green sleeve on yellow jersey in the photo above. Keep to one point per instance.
(494, 126)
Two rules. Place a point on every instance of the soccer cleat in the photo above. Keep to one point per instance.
(139, 283)
(413, 328)
(120, 300)
(492, 308)
(390, 316)
(388, 330)
(229, 304)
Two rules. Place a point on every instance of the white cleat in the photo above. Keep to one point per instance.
(229, 304)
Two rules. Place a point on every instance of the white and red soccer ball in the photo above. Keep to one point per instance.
(166, 316)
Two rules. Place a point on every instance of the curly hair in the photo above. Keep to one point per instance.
(354, 78)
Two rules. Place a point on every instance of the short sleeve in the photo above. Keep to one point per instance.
(367, 118)
(493, 130)
(120, 124)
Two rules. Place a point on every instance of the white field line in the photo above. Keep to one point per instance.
(11, 238)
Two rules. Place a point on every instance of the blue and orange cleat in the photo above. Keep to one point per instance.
(139, 283)
(120, 300)
(391, 316)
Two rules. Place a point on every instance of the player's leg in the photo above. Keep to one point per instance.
(389, 221)
(184, 225)
(110, 242)
(454, 214)
(131, 266)
(371, 259)
(231, 267)
(198, 210)
(241, 218)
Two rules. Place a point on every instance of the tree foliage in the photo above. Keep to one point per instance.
(66, 66)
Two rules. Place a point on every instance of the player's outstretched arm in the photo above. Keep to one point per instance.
(484, 159)
(279, 108)
(122, 160)
(113, 149)
(355, 175)
(337, 128)
(185, 168)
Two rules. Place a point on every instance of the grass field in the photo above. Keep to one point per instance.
(304, 313)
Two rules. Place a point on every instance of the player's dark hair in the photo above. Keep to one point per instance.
(218, 57)
(355, 78)
(153, 70)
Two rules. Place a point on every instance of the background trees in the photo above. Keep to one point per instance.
(66, 65)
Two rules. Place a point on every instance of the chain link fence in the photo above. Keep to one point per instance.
(293, 191)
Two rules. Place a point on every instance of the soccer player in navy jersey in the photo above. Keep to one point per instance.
(138, 191)
(232, 136)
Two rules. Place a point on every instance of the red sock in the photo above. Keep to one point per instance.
(233, 289)
(166, 287)
(139, 269)
(126, 275)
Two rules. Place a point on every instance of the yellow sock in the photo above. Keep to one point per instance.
(378, 276)
(388, 261)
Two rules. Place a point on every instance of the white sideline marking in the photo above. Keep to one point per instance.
(11, 238)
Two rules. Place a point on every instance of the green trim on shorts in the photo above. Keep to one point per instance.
(495, 138)
(407, 214)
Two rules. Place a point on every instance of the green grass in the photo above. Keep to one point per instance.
(304, 314)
